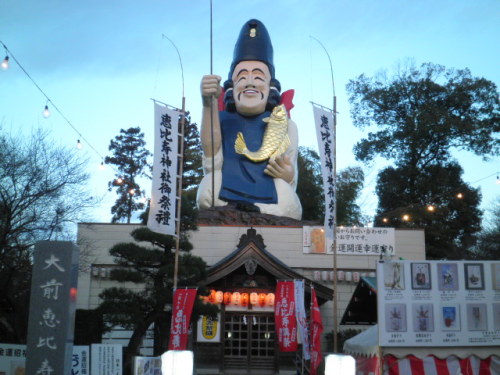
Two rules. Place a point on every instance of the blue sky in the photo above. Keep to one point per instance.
(100, 62)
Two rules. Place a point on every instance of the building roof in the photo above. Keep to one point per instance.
(251, 251)
(362, 308)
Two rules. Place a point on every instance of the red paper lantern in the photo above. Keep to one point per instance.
(212, 296)
(254, 298)
(262, 299)
(244, 299)
(227, 298)
(236, 298)
(219, 297)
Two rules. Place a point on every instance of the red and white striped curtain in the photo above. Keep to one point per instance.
(431, 365)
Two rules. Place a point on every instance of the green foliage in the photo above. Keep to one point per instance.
(41, 191)
(130, 157)
(310, 190)
(424, 113)
(149, 263)
(450, 229)
(488, 244)
(192, 168)
(310, 185)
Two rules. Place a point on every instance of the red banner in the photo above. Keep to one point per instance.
(182, 306)
(316, 330)
(284, 316)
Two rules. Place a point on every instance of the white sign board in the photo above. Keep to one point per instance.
(106, 359)
(438, 303)
(80, 361)
(350, 241)
(147, 366)
(208, 329)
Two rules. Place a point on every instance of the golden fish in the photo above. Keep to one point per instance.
(275, 140)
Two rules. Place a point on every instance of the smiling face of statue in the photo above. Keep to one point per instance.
(251, 85)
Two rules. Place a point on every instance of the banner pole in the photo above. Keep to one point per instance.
(179, 193)
(334, 245)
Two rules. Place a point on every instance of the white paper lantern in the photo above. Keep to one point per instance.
(348, 276)
(340, 275)
(355, 277)
(317, 275)
(372, 274)
(324, 275)
(177, 362)
(340, 364)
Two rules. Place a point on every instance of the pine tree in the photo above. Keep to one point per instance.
(131, 160)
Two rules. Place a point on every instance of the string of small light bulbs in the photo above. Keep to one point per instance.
(46, 113)
(4, 65)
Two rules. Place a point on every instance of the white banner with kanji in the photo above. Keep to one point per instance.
(323, 119)
(182, 307)
(162, 211)
(300, 311)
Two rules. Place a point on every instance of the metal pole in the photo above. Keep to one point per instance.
(212, 108)
(179, 192)
(335, 313)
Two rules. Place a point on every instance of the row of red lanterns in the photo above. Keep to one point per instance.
(240, 299)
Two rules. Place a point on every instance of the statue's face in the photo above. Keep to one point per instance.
(251, 82)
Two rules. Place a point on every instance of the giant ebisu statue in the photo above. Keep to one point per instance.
(255, 143)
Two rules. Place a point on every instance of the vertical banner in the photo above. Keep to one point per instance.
(323, 118)
(52, 308)
(284, 316)
(300, 311)
(182, 306)
(162, 213)
(316, 331)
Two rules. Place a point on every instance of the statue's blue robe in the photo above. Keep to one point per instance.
(242, 179)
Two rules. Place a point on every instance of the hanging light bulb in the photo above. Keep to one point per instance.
(46, 112)
(385, 220)
(460, 195)
(132, 191)
(5, 63)
(79, 145)
(102, 166)
(406, 217)
(431, 208)
(119, 181)
(498, 180)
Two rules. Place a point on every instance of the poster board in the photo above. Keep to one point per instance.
(438, 303)
(350, 241)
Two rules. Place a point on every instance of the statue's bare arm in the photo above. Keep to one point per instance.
(210, 92)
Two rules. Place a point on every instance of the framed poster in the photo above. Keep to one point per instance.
(495, 275)
(476, 317)
(423, 317)
(395, 317)
(420, 276)
(394, 277)
(496, 316)
(450, 317)
(474, 276)
(447, 276)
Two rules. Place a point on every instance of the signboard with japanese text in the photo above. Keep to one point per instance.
(438, 303)
(106, 359)
(208, 329)
(147, 365)
(162, 213)
(350, 241)
(52, 308)
(12, 359)
(80, 361)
